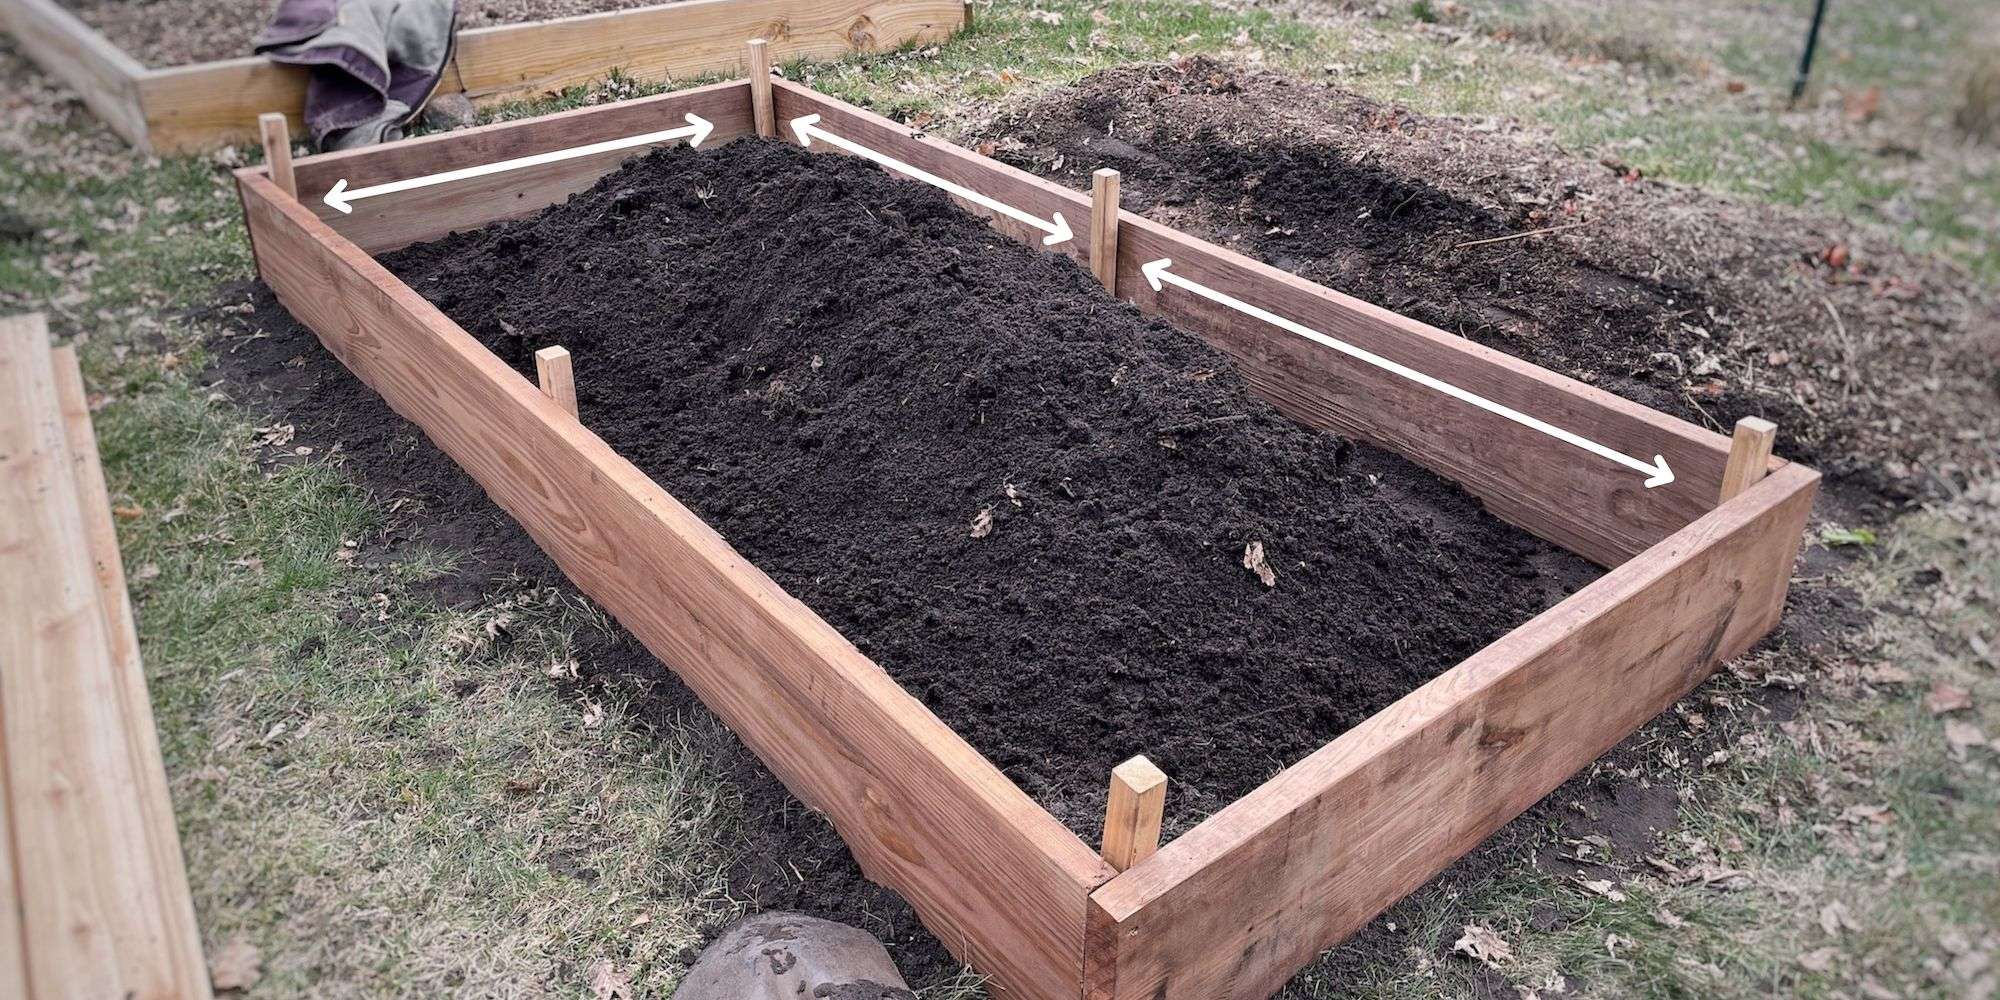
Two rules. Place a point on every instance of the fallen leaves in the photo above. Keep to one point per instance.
(1947, 698)
(235, 966)
(1484, 945)
(608, 983)
(1253, 560)
(982, 523)
(1603, 887)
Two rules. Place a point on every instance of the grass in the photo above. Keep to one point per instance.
(388, 797)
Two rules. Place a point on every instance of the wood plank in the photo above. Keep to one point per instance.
(206, 105)
(13, 943)
(92, 907)
(277, 140)
(1104, 228)
(760, 88)
(73, 52)
(181, 932)
(393, 220)
(1232, 908)
(1749, 455)
(557, 378)
(1000, 881)
(1133, 812)
(1589, 505)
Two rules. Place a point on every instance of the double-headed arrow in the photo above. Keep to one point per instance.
(807, 129)
(694, 132)
(1157, 275)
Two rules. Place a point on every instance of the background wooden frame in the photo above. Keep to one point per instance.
(201, 106)
(1233, 907)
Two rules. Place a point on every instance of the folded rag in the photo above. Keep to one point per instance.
(374, 62)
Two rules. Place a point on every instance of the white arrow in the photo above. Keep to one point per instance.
(1658, 471)
(694, 132)
(808, 129)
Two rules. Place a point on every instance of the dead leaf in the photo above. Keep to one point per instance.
(1836, 256)
(1834, 918)
(146, 572)
(1669, 919)
(129, 512)
(1484, 945)
(982, 523)
(1947, 698)
(1961, 736)
(607, 983)
(235, 966)
(1603, 887)
(593, 715)
(1613, 942)
(1861, 107)
(1253, 560)
(1819, 960)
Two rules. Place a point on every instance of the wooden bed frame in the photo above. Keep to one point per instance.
(205, 105)
(1234, 907)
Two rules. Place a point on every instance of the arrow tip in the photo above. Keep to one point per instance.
(702, 127)
(1662, 472)
(1153, 271)
(1062, 232)
(337, 197)
(802, 127)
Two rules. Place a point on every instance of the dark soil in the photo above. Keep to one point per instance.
(846, 426)
(1692, 304)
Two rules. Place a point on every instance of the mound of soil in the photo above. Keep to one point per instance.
(1690, 303)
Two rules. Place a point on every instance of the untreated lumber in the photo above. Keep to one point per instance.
(1133, 812)
(180, 934)
(94, 904)
(760, 88)
(1333, 840)
(277, 139)
(1749, 455)
(1104, 228)
(999, 880)
(394, 220)
(552, 370)
(1593, 507)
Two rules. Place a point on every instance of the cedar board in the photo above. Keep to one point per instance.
(1235, 906)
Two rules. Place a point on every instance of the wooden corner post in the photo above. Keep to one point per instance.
(278, 150)
(1104, 227)
(558, 379)
(1749, 456)
(761, 108)
(1133, 813)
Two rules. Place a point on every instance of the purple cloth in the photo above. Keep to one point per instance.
(374, 63)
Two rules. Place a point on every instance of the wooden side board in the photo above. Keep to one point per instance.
(105, 77)
(204, 105)
(1000, 881)
(101, 914)
(394, 220)
(1234, 907)
(1589, 505)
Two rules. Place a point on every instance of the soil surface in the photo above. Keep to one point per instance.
(1690, 303)
(1031, 504)
(163, 33)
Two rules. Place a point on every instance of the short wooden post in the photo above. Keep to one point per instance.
(1749, 455)
(761, 108)
(1132, 815)
(278, 150)
(558, 380)
(967, 26)
(1104, 227)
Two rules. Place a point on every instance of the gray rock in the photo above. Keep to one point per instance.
(789, 956)
(449, 111)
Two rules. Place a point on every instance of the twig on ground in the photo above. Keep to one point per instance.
(1521, 236)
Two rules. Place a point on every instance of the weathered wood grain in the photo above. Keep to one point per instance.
(205, 105)
(94, 904)
(1232, 908)
(71, 51)
(999, 880)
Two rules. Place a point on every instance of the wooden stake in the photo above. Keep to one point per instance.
(760, 88)
(967, 26)
(1104, 227)
(558, 380)
(1749, 455)
(1133, 813)
(278, 150)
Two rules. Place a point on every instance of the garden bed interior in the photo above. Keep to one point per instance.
(499, 54)
(1034, 505)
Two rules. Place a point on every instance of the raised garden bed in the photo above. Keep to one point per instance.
(1234, 905)
(207, 104)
